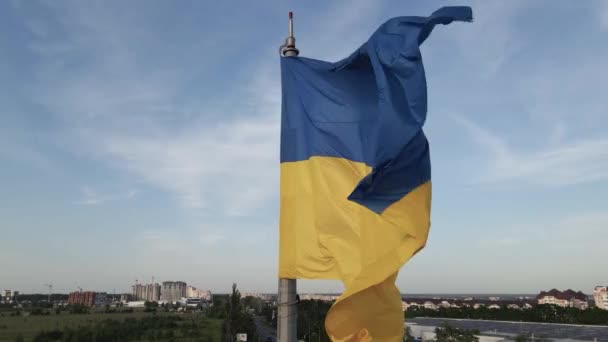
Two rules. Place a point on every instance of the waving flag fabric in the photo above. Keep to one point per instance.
(356, 174)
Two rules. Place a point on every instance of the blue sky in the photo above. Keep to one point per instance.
(140, 139)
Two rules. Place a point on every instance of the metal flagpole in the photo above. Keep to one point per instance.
(287, 317)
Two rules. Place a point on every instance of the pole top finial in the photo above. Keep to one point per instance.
(289, 48)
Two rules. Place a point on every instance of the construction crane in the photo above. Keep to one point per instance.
(50, 286)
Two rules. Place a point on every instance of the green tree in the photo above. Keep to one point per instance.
(149, 304)
(311, 320)
(539, 313)
(237, 320)
(408, 337)
(48, 336)
(233, 312)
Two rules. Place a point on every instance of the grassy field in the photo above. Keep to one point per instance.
(29, 326)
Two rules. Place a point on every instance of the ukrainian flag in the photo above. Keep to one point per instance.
(356, 173)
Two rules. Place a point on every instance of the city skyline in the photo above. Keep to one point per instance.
(306, 295)
(141, 140)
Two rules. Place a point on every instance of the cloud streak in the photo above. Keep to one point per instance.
(91, 196)
(217, 156)
(132, 116)
(208, 164)
(138, 97)
(570, 230)
(603, 15)
(576, 162)
(26, 154)
(493, 35)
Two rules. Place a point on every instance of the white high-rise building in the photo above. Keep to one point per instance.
(600, 294)
(173, 291)
(193, 292)
(149, 292)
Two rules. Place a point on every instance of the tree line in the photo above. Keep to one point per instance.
(311, 319)
(155, 328)
(545, 313)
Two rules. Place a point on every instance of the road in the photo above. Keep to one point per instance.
(264, 330)
(573, 332)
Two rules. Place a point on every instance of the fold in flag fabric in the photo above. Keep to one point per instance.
(356, 173)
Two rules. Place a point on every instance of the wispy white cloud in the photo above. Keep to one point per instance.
(185, 241)
(562, 232)
(555, 250)
(492, 39)
(90, 196)
(340, 30)
(219, 156)
(211, 238)
(569, 163)
(132, 117)
(213, 166)
(25, 154)
(559, 132)
(155, 242)
(211, 142)
(210, 257)
(603, 14)
(572, 94)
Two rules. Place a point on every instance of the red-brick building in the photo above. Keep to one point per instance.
(86, 298)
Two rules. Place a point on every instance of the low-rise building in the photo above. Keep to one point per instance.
(88, 298)
(195, 302)
(263, 296)
(600, 296)
(568, 298)
(407, 304)
(136, 304)
(101, 299)
(322, 297)
(444, 304)
(8, 296)
(455, 303)
(430, 305)
(126, 297)
(193, 292)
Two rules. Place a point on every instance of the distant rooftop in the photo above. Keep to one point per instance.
(565, 295)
